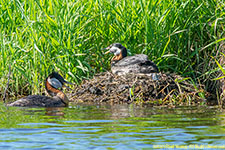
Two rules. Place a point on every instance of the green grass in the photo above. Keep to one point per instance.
(38, 37)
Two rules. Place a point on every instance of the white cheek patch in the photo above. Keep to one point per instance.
(55, 83)
(115, 50)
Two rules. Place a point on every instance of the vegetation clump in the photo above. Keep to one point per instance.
(169, 89)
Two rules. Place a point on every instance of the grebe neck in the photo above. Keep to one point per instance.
(56, 93)
(121, 55)
(63, 97)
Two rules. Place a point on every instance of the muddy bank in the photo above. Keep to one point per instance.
(167, 90)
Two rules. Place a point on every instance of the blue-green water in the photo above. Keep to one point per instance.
(111, 127)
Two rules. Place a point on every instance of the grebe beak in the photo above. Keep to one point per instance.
(108, 48)
(67, 83)
(107, 52)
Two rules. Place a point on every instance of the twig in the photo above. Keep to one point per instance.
(7, 85)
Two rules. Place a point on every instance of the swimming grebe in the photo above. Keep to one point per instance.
(53, 83)
(122, 64)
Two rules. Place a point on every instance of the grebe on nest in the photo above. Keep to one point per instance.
(122, 64)
(53, 83)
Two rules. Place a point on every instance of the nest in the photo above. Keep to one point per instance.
(108, 87)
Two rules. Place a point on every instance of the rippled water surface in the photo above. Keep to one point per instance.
(111, 127)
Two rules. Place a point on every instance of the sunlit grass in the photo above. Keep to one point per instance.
(38, 37)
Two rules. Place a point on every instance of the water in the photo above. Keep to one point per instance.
(111, 127)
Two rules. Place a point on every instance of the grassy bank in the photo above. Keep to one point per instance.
(38, 37)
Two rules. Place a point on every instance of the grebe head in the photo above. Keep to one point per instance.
(56, 80)
(53, 83)
(118, 50)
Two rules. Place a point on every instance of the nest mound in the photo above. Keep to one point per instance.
(108, 87)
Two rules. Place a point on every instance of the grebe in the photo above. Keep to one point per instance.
(53, 83)
(122, 64)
